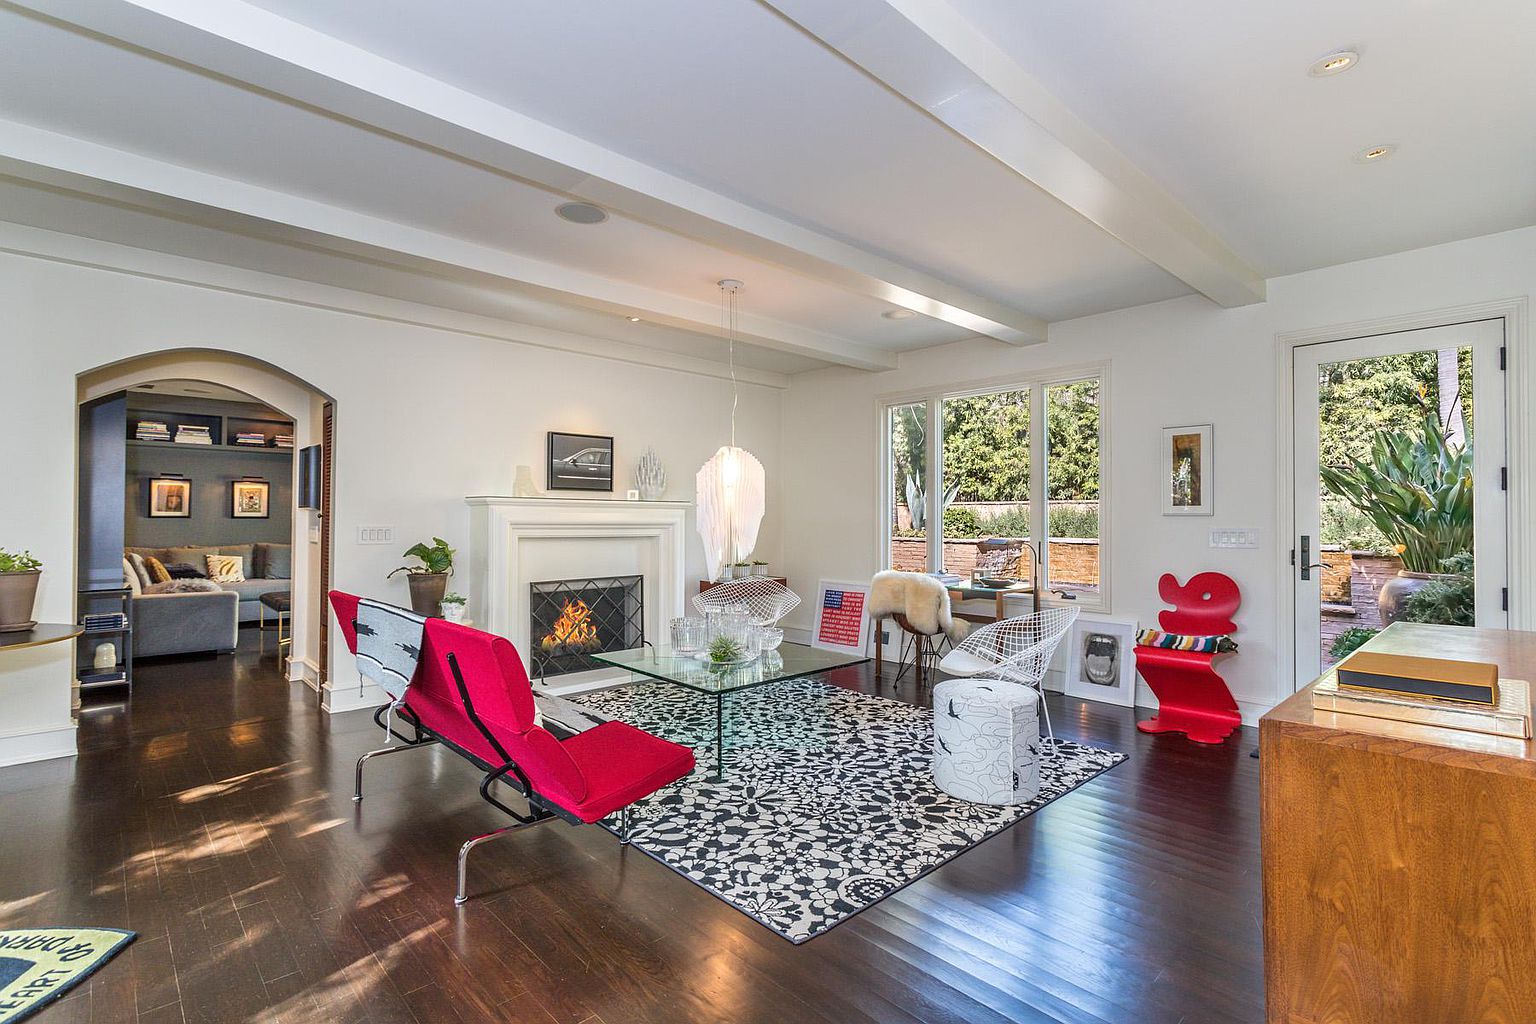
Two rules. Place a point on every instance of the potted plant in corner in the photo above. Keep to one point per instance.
(453, 607)
(1417, 490)
(428, 580)
(18, 590)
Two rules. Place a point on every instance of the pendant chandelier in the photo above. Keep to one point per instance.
(730, 489)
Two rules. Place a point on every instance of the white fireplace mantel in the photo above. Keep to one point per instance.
(514, 542)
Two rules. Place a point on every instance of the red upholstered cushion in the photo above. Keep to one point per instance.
(623, 764)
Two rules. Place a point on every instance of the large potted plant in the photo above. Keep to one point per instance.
(18, 590)
(429, 580)
(1416, 488)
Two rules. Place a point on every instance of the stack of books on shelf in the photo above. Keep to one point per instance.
(149, 430)
(283, 440)
(104, 621)
(189, 434)
(251, 439)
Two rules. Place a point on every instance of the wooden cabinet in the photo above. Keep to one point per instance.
(1400, 860)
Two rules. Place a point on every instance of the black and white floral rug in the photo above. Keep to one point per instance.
(826, 804)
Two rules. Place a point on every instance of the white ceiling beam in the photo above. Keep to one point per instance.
(256, 48)
(64, 161)
(931, 55)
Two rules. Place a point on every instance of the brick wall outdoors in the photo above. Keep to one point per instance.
(1072, 561)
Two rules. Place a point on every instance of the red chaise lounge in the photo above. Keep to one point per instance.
(472, 694)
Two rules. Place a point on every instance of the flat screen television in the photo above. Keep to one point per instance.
(309, 477)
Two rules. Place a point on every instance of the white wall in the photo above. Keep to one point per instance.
(424, 417)
(1176, 362)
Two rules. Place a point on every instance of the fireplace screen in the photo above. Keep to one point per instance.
(571, 620)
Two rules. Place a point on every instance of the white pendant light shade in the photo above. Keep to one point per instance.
(730, 497)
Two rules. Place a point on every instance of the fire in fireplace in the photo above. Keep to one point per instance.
(571, 620)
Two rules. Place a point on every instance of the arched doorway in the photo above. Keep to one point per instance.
(231, 377)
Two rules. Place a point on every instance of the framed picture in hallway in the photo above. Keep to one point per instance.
(250, 499)
(170, 497)
(1189, 470)
(580, 462)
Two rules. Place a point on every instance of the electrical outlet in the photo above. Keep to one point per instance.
(375, 534)
(1234, 538)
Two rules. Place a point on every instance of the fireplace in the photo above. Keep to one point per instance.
(571, 620)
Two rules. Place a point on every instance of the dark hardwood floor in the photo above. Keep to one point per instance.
(215, 818)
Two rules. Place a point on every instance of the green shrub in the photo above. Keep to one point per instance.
(1450, 602)
(1342, 524)
(1347, 642)
(961, 522)
(1078, 521)
(1013, 523)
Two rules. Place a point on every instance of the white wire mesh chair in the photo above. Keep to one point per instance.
(1018, 650)
(766, 599)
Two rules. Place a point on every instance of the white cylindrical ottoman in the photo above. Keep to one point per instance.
(986, 740)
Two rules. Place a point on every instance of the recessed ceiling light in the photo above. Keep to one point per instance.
(581, 213)
(898, 314)
(1375, 154)
(1335, 63)
(633, 319)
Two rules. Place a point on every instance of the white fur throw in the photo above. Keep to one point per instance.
(921, 598)
(183, 587)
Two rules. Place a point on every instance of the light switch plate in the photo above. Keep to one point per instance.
(1244, 538)
(375, 534)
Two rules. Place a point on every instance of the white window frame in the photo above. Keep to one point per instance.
(1036, 382)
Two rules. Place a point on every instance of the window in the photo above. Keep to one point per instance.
(906, 505)
(1017, 462)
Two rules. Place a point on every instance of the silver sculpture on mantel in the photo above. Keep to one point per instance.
(650, 477)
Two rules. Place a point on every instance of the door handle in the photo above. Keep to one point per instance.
(1307, 565)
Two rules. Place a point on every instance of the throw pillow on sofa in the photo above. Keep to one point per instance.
(183, 571)
(131, 578)
(157, 570)
(139, 569)
(247, 555)
(226, 569)
(188, 555)
(274, 561)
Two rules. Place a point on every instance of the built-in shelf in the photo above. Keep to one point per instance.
(134, 443)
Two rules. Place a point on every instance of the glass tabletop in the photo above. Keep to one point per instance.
(790, 661)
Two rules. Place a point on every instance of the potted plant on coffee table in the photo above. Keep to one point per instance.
(18, 590)
(428, 580)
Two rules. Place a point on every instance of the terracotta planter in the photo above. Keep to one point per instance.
(427, 590)
(18, 593)
(1397, 590)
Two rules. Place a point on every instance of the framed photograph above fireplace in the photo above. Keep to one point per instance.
(580, 462)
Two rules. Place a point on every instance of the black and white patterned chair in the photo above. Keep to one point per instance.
(986, 740)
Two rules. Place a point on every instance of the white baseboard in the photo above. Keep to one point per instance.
(349, 698)
(302, 670)
(23, 748)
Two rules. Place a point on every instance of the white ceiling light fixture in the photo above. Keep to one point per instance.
(1375, 154)
(581, 213)
(899, 314)
(730, 490)
(1335, 63)
(633, 319)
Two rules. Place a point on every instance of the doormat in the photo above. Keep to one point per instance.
(39, 965)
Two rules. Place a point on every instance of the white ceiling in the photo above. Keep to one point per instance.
(843, 161)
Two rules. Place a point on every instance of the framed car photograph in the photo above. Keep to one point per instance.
(1189, 475)
(250, 499)
(170, 497)
(580, 462)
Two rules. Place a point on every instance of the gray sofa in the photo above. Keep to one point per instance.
(193, 623)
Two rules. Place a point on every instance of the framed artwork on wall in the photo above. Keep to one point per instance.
(170, 497)
(1101, 660)
(841, 622)
(580, 462)
(250, 498)
(1189, 470)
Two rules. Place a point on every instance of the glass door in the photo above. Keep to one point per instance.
(1400, 511)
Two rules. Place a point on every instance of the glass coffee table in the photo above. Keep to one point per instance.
(790, 661)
